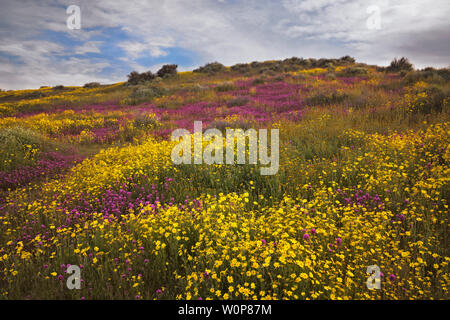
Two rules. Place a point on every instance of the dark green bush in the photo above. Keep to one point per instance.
(21, 146)
(92, 85)
(167, 70)
(399, 65)
(326, 98)
(353, 72)
(241, 68)
(347, 59)
(211, 68)
(135, 77)
(429, 74)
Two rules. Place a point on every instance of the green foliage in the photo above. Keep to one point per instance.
(398, 65)
(326, 98)
(353, 72)
(430, 75)
(167, 70)
(135, 77)
(347, 59)
(211, 68)
(144, 94)
(92, 85)
(20, 146)
(241, 68)
(226, 86)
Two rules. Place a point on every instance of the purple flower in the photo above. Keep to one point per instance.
(263, 241)
(313, 231)
(306, 237)
(392, 277)
(338, 241)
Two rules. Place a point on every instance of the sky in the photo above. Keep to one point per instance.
(37, 47)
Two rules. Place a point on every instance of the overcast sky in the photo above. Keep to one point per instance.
(117, 36)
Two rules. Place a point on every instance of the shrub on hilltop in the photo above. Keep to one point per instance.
(347, 59)
(353, 72)
(135, 77)
(398, 65)
(211, 68)
(241, 68)
(92, 85)
(167, 70)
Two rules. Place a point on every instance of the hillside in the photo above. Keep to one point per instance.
(87, 179)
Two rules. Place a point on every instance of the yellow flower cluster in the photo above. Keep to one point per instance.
(316, 244)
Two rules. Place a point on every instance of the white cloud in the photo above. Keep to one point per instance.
(226, 31)
(135, 49)
(88, 47)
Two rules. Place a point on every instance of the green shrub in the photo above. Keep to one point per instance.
(211, 68)
(353, 72)
(92, 85)
(326, 98)
(222, 124)
(148, 121)
(294, 61)
(399, 65)
(347, 59)
(426, 99)
(21, 146)
(144, 94)
(135, 77)
(226, 86)
(241, 68)
(167, 70)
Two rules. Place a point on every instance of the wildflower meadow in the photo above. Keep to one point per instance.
(87, 180)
